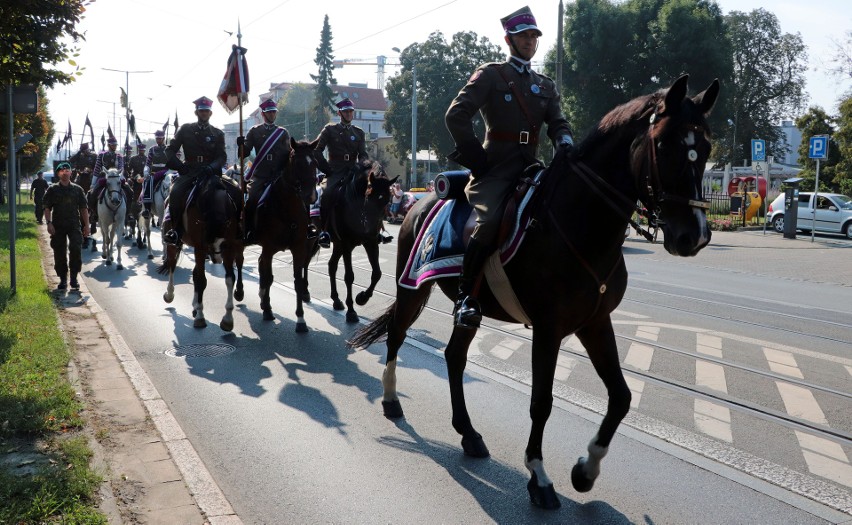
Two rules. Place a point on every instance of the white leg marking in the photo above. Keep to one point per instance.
(536, 467)
(592, 464)
(389, 381)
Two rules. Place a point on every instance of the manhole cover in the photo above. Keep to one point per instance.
(201, 350)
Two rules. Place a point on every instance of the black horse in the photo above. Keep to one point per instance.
(285, 219)
(356, 221)
(569, 273)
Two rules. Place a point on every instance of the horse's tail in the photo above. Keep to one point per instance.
(170, 262)
(375, 332)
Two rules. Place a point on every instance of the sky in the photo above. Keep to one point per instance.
(168, 53)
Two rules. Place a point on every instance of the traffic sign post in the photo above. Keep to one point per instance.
(817, 149)
(758, 150)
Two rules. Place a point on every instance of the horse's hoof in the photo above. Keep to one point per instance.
(362, 298)
(475, 447)
(227, 326)
(338, 305)
(267, 315)
(392, 409)
(119, 267)
(306, 297)
(578, 478)
(108, 263)
(150, 256)
(239, 294)
(168, 298)
(352, 317)
(543, 497)
(200, 323)
(301, 328)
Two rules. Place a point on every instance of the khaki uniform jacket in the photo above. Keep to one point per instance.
(82, 160)
(511, 141)
(107, 160)
(346, 146)
(135, 166)
(275, 161)
(65, 203)
(156, 158)
(202, 146)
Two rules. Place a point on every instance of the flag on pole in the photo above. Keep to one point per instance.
(233, 92)
(123, 97)
(176, 125)
(103, 141)
(166, 125)
(131, 124)
(91, 131)
(138, 140)
(58, 145)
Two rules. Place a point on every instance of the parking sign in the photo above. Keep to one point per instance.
(758, 150)
(818, 147)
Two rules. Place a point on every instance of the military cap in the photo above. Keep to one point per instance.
(203, 103)
(345, 105)
(268, 105)
(520, 20)
(159, 134)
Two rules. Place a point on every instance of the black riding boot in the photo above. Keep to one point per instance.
(174, 235)
(467, 312)
(250, 230)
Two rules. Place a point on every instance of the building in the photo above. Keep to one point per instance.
(786, 152)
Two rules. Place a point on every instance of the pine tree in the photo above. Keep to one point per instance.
(325, 80)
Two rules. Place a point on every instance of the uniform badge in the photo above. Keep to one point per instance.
(352, 138)
(535, 89)
(507, 97)
(476, 74)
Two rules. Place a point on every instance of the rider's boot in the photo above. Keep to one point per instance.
(250, 234)
(147, 211)
(174, 235)
(75, 285)
(467, 312)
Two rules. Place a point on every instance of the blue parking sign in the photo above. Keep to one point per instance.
(818, 147)
(758, 150)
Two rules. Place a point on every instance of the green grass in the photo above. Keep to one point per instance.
(39, 409)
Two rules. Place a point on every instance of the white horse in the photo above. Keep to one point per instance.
(158, 210)
(112, 210)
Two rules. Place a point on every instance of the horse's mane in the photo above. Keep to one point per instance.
(619, 119)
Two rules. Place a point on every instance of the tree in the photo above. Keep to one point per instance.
(769, 77)
(324, 78)
(442, 70)
(617, 51)
(841, 60)
(843, 138)
(293, 110)
(817, 122)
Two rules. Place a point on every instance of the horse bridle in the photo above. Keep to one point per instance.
(108, 192)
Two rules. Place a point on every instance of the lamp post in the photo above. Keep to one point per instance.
(413, 176)
(733, 124)
(113, 114)
(127, 92)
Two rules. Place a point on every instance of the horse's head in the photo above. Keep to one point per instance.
(302, 169)
(668, 164)
(378, 186)
(114, 180)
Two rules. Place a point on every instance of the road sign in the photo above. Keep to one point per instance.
(758, 150)
(818, 147)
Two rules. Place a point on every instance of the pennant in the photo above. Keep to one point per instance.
(91, 131)
(109, 131)
(103, 141)
(176, 125)
(68, 136)
(58, 145)
(233, 92)
(123, 97)
(131, 124)
(138, 140)
(166, 125)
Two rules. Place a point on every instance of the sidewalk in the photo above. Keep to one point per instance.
(826, 260)
(152, 474)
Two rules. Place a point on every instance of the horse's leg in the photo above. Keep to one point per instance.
(545, 350)
(227, 322)
(599, 340)
(170, 254)
(348, 279)
(239, 293)
(300, 283)
(148, 236)
(376, 274)
(333, 261)
(405, 310)
(104, 237)
(456, 357)
(264, 266)
(118, 254)
(199, 279)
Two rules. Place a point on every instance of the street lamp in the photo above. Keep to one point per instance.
(127, 92)
(733, 124)
(413, 176)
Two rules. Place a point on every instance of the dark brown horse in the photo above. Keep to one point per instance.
(355, 222)
(212, 228)
(284, 217)
(569, 273)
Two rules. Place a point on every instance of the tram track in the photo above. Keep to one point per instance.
(743, 406)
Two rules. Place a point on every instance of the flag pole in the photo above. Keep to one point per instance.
(240, 147)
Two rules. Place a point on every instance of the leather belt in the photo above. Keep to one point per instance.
(346, 157)
(523, 137)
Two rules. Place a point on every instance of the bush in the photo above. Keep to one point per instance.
(724, 225)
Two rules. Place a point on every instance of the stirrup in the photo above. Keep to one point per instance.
(467, 313)
(171, 237)
(324, 240)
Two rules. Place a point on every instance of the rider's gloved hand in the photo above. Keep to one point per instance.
(241, 140)
(565, 145)
(208, 170)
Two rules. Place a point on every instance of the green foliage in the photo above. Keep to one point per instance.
(842, 138)
(294, 107)
(769, 69)
(321, 113)
(617, 51)
(34, 37)
(817, 122)
(442, 70)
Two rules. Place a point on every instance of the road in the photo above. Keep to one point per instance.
(739, 362)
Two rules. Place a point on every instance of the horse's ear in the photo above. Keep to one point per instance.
(394, 179)
(313, 144)
(676, 93)
(707, 98)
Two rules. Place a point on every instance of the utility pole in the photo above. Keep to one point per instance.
(127, 92)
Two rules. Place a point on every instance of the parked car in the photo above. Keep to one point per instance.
(833, 213)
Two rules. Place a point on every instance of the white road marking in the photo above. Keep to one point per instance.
(800, 402)
(825, 458)
(709, 345)
(713, 420)
(634, 315)
(639, 356)
(636, 387)
(782, 363)
(650, 333)
(564, 367)
(710, 375)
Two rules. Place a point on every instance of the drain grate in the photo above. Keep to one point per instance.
(201, 350)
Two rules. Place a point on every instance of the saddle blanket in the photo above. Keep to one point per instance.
(438, 250)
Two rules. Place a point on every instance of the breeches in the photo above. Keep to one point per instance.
(72, 241)
(487, 194)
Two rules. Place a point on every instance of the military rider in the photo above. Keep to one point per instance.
(204, 150)
(271, 145)
(514, 102)
(154, 170)
(106, 160)
(84, 160)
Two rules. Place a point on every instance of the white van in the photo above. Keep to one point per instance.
(833, 213)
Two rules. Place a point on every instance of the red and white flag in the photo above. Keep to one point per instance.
(233, 92)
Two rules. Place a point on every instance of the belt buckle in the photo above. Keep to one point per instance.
(200, 158)
(524, 137)
(269, 157)
(346, 157)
